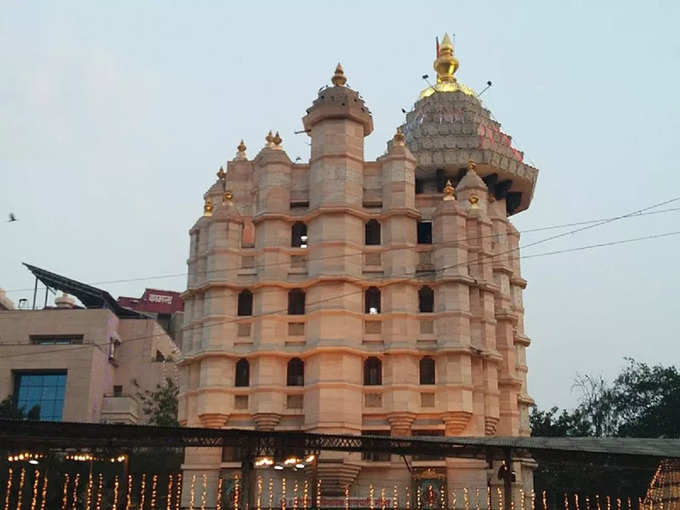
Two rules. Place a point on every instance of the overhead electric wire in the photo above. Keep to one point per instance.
(247, 318)
(597, 222)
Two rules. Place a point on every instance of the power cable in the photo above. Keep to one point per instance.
(249, 317)
(642, 212)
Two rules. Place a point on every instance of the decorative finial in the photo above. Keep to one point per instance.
(269, 139)
(445, 64)
(399, 138)
(339, 78)
(448, 191)
(207, 208)
(221, 174)
(241, 154)
(473, 199)
(471, 165)
(277, 141)
(227, 198)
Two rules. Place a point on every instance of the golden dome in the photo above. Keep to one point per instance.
(446, 65)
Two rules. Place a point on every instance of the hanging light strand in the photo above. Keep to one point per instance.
(154, 487)
(76, 482)
(36, 484)
(22, 478)
(9, 487)
(116, 488)
(100, 486)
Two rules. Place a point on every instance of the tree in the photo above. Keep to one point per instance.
(160, 405)
(642, 401)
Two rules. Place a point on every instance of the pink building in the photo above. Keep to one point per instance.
(349, 296)
(82, 363)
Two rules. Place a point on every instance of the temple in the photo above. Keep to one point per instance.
(364, 297)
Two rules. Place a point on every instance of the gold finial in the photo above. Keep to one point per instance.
(446, 64)
(399, 138)
(277, 141)
(339, 78)
(269, 139)
(227, 198)
(207, 208)
(221, 174)
(474, 199)
(241, 148)
(448, 191)
(471, 165)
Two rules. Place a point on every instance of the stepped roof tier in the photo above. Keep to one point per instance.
(448, 127)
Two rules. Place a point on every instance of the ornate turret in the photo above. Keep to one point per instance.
(449, 126)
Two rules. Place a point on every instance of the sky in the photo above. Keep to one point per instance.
(115, 116)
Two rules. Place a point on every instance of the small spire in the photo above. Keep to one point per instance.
(474, 200)
(399, 138)
(221, 174)
(471, 165)
(339, 78)
(277, 141)
(449, 191)
(207, 208)
(241, 152)
(446, 64)
(227, 198)
(269, 139)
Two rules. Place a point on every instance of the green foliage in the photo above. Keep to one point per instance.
(8, 409)
(642, 401)
(160, 405)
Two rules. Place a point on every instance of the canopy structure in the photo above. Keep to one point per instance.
(59, 435)
(90, 296)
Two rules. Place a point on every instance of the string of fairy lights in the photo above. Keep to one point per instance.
(34, 484)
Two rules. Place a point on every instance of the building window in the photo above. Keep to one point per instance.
(424, 232)
(375, 456)
(372, 236)
(299, 235)
(56, 339)
(372, 300)
(426, 370)
(245, 303)
(425, 300)
(117, 390)
(296, 302)
(372, 371)
(296, 372)
(41, 394)
(242, 373)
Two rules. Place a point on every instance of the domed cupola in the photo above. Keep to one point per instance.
(448, 127)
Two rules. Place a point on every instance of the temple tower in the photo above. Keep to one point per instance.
(350, 296)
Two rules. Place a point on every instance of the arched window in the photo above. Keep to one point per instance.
(245, 302)
(372, 371)
(296, 372)
(426, 370)
(372, 300)
(296, 302)
(425, 300)
(298, 237)
(372, 233)
(242, 373)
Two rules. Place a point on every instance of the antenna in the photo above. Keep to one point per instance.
(488, 86)
(425, 77)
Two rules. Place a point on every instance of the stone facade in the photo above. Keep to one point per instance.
(400, 297)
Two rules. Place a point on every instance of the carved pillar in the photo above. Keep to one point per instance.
(400, 423)
(266, 421)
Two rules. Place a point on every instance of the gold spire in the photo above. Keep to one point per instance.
(471, 165)
(446, 64)
(277, 141)
(227, 198)
(207, 208)
(221, 174)
(399, 138)
(448, 191)
(339, 79)
(474, 200)
(269, 139)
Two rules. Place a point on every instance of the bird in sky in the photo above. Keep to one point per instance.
(11, 218)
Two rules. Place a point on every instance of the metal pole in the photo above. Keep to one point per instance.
(35, 291)
(246, 478)
(507, 478)
(46, 289)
